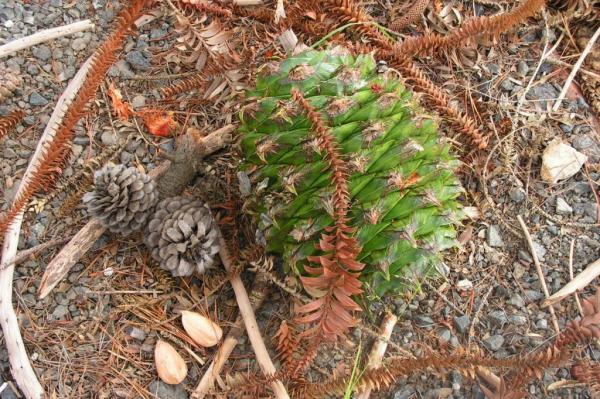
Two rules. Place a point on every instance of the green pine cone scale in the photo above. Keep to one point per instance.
(401, 179)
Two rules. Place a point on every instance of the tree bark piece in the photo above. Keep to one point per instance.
(44, 36)
(257, 296)
(379, 347)
(580, 281)
(241, 296)
(175, 174)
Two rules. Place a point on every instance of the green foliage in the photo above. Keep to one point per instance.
(401, 178)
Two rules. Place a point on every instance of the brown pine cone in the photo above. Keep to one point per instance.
(182, 236)
(122, 198)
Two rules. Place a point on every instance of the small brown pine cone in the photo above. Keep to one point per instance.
(182, 236)
(122, 198)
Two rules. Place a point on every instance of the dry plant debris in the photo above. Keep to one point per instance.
(209, 54)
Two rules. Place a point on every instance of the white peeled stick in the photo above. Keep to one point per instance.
(202, 330)
(170, 366)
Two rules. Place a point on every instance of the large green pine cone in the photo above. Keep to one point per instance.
(401, 179)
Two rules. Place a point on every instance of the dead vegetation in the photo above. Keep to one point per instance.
(218, 48)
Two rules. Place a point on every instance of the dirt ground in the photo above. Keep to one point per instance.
(94, 335)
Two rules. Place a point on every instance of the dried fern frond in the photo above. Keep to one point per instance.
(56, 153)
(474, 27)
(410, 15)
(287, 343)
(206, 7)
(10, 121)
(335, 273)
(201, 42)
(588, 372)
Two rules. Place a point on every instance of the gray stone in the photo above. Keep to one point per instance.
(562, 208)
(424, 321)
(539, 249)
(79, 44)
(60, 311)
(542, 324)
(406, 392)
(138, 102)
(42, 52)
(137, 333)
(493, 237)
(108, 138)
(66, 73)
(517, 301)
(462, 323)
(138, 61)
(497, 318)
(532, 296)
(36, 98)
(522, 68)
(582, 188)
(583, 142)
(166, 391)
(517, 194)
(494, 342)
(507, 85)
(518, 320)
(524, 256)
(120, 68)
(445, 335)
(8, 393)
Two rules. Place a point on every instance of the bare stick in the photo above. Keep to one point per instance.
(576, 67)
(241, 296)
(571, 250)
(44, 36)
(387, 326)
(538, 267)
(26, 253)
(257, 297)
(580, 281)
(19, 361)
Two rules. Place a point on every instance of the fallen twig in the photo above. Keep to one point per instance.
(540, 273)
(379, 347)
(577, 301)
(26, 253)
(260, 350)
(257, 297)
(44, 36)
(580, 281)
(576, 67)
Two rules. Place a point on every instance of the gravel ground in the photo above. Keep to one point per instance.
(492, 294)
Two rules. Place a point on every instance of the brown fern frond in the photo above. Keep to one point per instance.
(287, 343)
(588, 372)
(349, 12)
(10, 121)
(201, 44)
(409, 16)
(194, 82)
(205, 7)
(464, 125)
(56, 153)
(335, 273)
(475, 27)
